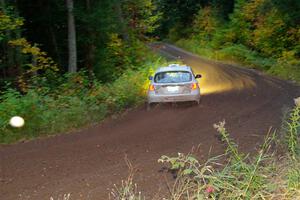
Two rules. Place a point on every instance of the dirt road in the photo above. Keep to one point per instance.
(88, 162)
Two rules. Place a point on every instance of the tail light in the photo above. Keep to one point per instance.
(151, 88)
(194, 86)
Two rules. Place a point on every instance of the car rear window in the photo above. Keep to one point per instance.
(173, 77)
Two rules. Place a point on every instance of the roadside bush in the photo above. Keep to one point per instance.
(258, 34)
(44, 114)
(292, 129)
(119, 56)
(261, 176)
(75, 102)
(241, 54)
(195, 47)
(287, 66)
(241, 177)
(205, 24)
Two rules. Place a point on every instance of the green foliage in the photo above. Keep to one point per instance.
(141, 16)
(119, 56)
(260, 176)
(265, 28)
(177, 16)
(176, 32)
(231, 53)
(293, 176)
(240, 178)
(116, 59)
(40, 62)
(231, 146)
(261, 34)
(286, 67)
(75, 101)
(96, 23)
(192, 177)
(111, 32)
(205, 24)
(10, 26)
(45, 24)
(8, 22)
(186, 164)
(293, 131)
(51, 101)
(108, 33)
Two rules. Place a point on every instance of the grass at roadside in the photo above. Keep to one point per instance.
(266, 175)
(286, 67)
(75, 101)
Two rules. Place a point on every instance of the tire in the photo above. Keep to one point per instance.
(198, 102)
(148, 107)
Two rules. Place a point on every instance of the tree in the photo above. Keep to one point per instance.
(206, 24)
(72, 65)
(10, 29)
(120, 15)
(141, 16)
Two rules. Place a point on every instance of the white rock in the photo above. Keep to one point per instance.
(17, 121)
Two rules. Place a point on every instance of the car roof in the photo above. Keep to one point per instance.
(174, 67)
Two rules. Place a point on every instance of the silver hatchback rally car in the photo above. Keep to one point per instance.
(174, 83)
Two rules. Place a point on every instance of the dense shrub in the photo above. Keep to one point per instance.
(286, 67)
(77, 100)
(261, 34)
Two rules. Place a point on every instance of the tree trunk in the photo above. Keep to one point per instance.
(123, 25)
(71, 38)
(90, 51)
(13, 58)
(10, 52)
(55, 45)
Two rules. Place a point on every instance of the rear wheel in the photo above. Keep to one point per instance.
(148, 107)
(198, 102)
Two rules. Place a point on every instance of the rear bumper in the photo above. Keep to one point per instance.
(153, 98)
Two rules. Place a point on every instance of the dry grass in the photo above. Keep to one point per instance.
(127, 190)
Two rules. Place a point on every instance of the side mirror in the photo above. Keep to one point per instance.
(150, 78)
(198, 76)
